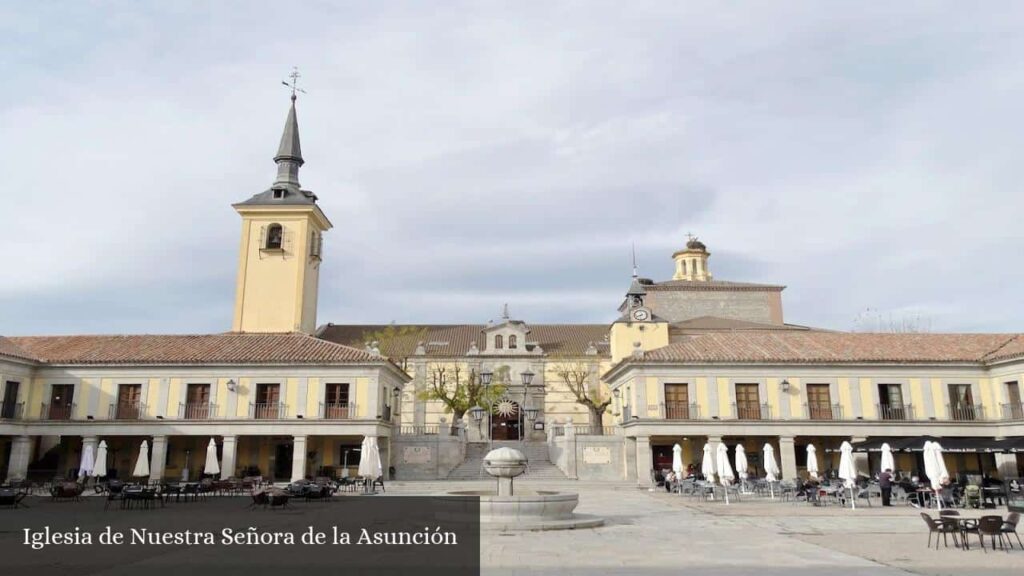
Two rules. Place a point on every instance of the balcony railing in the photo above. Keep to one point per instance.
(12, 410)
(126, 411)
(197, 411)
(681, 411)
(336, 410)
(57, 411)
(267, 411)
(751, 411)
(419, 430)
(895, 411)
(1013, 411)
(823, 411)
(966, 412)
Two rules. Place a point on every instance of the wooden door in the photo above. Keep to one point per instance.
(197, 402)
(677, 401)
(129, 397)
(10, 400)
(819, 402)
(336, 401)
(268, 398)
(61, 401)
(748, 402)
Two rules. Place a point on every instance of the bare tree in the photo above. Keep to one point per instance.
(458, 389)
(871, 320)
(396, 342)
(582, 381)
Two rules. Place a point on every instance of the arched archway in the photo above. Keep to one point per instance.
(506, 420)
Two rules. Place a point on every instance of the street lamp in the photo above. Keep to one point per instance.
(477, 412)
(530, 413)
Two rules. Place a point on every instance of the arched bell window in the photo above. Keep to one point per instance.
(512, 343)
(275, 237)
(499, 342)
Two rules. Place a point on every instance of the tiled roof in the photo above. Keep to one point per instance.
(837, 347)
(11, 350)
(454, 339)
(710, 285)
(227, 348)
(703, 324)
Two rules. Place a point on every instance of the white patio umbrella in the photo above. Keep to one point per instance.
(88, 461)
(888, 463)
(725, 475)
(369, 459)
(707, 465)
(741, 462)
(848, 470)
(142, 464)
(212, 466)
(99, 469)
(677, 460)
(812, 461)
(935, 469)
(771, 468)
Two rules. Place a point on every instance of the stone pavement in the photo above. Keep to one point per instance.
(658, 533)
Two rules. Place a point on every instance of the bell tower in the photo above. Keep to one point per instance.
(692, 261)
(281, 249)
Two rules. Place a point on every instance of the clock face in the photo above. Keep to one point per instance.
(640, 314)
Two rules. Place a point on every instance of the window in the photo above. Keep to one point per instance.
(336, 406)
(1014, 409)
(961, 402)
(684, 267)
(61, 402)
(512, 343)
(268, 397)
(197, 402)
(278, 193)
(499, 342)
(10, 405)
(890, 402)
(316, 244)
(677, 401)
(129, 402)
(819, 402)
(275, 237)
(748, 402)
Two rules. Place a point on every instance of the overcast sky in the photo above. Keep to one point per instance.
(866, 155)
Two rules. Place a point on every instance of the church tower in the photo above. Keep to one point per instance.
(279, 260)
(692, 262)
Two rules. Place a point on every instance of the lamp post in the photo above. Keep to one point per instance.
(527, 413)
(477, 412)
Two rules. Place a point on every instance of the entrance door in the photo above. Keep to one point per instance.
(283, 462)
(61, 401)
(10, 400)
(129, 397)
(505, 421)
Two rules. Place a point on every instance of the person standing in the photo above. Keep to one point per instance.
(885, 483)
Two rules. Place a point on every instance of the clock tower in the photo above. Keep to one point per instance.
(638, 329)
(281, 249)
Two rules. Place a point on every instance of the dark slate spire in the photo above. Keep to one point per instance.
(289, 153)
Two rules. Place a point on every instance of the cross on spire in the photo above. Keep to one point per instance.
(294, 83)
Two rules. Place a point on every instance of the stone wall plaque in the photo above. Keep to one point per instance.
(597, 455)
(416, 455)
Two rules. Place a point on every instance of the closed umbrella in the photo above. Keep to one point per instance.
(88, 461)
(99, 469)
(847, 470)
(725, 475)
(677, 461)
(212, 466)
(369, 460)
(142, 464)
(812, 461)
(707, 465)
(771, 469)
(887, 460)
(937, 472)
(741, 462)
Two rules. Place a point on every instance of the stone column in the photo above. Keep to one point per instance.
(787, 457)
(860, 459)
(17, 466)
(1007, 465)
(157, 457)
(229, 450)
(644, 461)
(298, 458)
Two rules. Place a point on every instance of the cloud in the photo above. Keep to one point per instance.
(471, 155)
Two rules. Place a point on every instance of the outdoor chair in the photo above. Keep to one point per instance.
(67, 491)
(12, 498)
(972, 496)
(991, 526)
(260, 498)
(943, 529)
(1010, 527)
(347, 484)
(377, 482)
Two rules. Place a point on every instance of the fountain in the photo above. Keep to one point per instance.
(507, 509)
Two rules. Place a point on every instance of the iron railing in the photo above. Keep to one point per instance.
(895, 411)
(12, 410)
(197, 410)
(966, 412)
(752, 411)
(126, 411)
(823, 411)
(1013, 411)
(682, 411)
(267, 410)
(336, 410)
(419, 430)
(57, 411)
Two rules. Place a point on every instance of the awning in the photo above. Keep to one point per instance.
(949, 444)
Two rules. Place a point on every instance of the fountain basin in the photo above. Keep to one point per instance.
(530, 510)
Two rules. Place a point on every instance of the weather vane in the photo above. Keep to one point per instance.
(294, 83)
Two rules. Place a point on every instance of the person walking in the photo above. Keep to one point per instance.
(885, 483)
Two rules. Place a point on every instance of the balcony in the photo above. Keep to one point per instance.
(267, 411)
(681, 411)
(197, 411)
(966, 412)
(823, 411)
(1013, 411)
(336, 411)
(898, 412)
(126, 411)
(57, 411)
(752, 411)
(12, 410)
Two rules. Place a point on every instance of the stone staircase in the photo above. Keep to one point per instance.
(540, 467)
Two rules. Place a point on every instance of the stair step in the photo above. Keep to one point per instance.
(536, 453)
